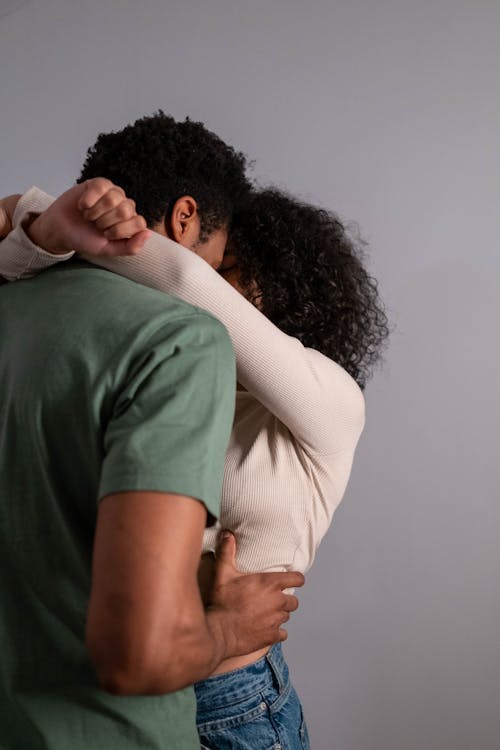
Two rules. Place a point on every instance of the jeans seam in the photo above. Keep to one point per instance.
(233, 721)
(239, 697)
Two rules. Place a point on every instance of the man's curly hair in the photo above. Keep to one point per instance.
(158, 160)
(300, 266)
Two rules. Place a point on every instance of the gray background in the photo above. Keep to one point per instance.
(388, 112)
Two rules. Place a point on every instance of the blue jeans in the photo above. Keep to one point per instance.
(253, 708)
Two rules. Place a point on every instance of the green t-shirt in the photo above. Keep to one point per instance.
(106, 386)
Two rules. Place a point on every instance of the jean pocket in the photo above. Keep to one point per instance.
(247, 726)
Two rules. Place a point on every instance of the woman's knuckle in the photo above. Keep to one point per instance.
(103, 183)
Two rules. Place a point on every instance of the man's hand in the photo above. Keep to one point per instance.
(94, 217)
(248, 610)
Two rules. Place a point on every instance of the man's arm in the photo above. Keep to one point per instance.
(147, 632)
(164, 444)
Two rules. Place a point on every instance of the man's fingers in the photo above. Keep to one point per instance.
(283, 634)
(291, 603)
(283, 581)
(226, 549)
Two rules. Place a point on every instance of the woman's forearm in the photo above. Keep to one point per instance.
(313, 396)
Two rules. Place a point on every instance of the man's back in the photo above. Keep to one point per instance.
(99, 378)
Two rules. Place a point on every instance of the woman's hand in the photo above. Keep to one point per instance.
(95, 218)
(7, 208)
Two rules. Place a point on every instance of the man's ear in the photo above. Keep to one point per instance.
(184, 223)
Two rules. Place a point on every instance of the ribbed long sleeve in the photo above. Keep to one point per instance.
(296, 429)
(314, 397)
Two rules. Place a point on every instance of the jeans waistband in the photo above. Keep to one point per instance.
(242, 683)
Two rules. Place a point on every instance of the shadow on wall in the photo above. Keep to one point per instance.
(7, 7)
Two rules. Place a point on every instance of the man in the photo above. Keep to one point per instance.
(115, 413)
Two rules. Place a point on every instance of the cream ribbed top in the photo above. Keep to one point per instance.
(295, 428)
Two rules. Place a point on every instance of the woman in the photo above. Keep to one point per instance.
(307, 327)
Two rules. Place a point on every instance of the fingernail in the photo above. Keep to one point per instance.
(225, 534)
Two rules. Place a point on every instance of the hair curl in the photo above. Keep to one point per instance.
(157, 160)
(299, 264)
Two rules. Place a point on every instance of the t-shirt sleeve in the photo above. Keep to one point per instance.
(172, 417)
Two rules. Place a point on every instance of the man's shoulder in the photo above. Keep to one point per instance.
(77, 301)
(108, 285)
(96, 291)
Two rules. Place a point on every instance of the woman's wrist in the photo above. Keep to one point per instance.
(43, 234)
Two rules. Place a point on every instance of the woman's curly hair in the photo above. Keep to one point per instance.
(305, 272)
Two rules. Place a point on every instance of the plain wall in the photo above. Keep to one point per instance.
(389, 113)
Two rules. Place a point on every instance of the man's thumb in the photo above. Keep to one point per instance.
(226, 549)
